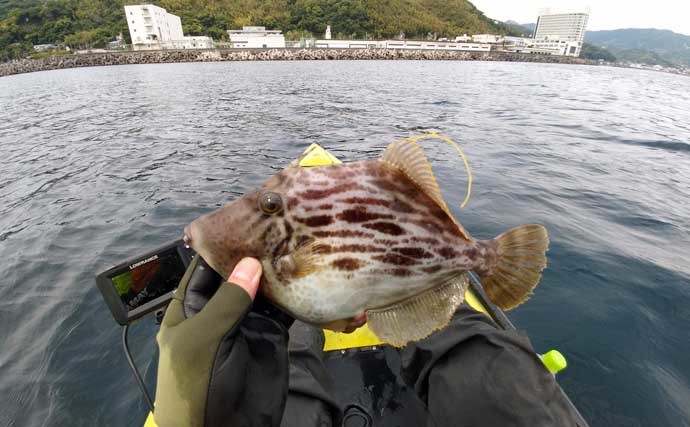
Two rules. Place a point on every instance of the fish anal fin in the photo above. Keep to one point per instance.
(417, 317)
(409, 158)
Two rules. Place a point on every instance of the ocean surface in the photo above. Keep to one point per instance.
(99, 164)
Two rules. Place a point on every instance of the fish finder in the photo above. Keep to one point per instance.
(145, 283)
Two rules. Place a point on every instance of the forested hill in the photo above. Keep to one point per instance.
(646, 45)
(91, 23)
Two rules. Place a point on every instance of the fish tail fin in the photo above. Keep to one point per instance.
(521, 258)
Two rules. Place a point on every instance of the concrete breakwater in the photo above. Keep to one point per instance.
(214, 55)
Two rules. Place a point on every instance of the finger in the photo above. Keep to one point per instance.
(232, 300)
(247, 275)
(359, 320)
(350, 329)
(336, 325)
(347, 325)
(174, 314)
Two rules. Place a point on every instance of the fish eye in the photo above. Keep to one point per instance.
(270, 203)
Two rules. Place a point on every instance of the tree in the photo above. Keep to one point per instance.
(589, 51)
(87, 39)
(91, 23)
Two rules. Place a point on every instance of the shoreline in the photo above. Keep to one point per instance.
(223, 55)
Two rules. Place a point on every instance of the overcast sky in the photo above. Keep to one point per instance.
(604, 14)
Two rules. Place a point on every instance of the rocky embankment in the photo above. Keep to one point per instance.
(168, 56)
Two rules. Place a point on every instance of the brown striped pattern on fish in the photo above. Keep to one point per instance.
(370, 222)
(338, 241)
(370, 213)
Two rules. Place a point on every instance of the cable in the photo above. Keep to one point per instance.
(135, 371)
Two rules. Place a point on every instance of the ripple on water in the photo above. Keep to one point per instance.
(100, 163)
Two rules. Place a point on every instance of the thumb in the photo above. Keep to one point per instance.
(247, 275)
(231, 301)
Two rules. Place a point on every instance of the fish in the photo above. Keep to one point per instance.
(371, 238)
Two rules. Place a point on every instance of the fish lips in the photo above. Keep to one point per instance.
(193, 237)
(187, 236)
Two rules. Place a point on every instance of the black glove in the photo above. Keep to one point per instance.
(221, 364)
(471, 373)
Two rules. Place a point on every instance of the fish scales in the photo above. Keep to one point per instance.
(341, 240)
(375, 231)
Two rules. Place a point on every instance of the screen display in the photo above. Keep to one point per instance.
(149, 278)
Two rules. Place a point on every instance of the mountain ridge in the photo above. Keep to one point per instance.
(92, 23)
(648, 45)
(643, 45)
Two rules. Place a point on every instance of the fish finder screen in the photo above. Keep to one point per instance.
(149, 278)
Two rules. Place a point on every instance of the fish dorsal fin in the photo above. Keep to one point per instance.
(409, 157)
(417, 317)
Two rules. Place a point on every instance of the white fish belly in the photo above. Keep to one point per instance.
(332, 295)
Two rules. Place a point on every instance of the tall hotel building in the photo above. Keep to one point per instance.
(566, 29)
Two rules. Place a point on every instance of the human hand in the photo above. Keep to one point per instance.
(204, 321)
(247, 275)
(347, 326)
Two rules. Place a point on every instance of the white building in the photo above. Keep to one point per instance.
(44, 47)
(151, 24)
(515, 44)
(517, 41)
(565, 28)
(402, 45)
(554, 46)
(487, 38)
(192, 42)
(256, 37)
(152, 27)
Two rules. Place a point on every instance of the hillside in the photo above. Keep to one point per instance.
(641, 45)
(521, 30)
(590, 51)
(647, 45)
(91, 23)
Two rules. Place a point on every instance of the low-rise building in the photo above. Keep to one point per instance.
(193, 42)
(347, 44)
(487, 38)
(256, 37)
(118, 43)
(44, 47)
(517, 41)
(555, 46)
(401, 44)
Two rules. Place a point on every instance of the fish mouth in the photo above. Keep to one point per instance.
(187, 236)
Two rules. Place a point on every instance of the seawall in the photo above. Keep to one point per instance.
(216, 55)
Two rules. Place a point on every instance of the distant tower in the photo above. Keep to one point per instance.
(328, 32)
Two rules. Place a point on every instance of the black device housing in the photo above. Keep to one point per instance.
(171, 261)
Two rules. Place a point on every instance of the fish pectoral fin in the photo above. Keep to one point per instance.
(417, 317)
(409, 157)
(302, 262)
